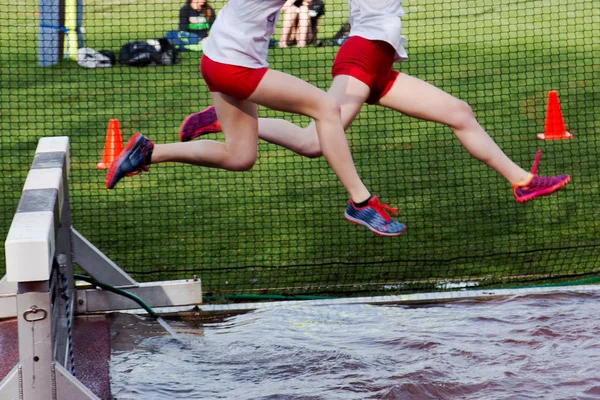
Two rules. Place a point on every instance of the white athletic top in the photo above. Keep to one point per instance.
(242, 31)
(379, 20)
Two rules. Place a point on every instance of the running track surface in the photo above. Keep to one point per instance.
(91, 344)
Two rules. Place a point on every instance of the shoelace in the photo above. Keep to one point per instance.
(533, 171)
(536, 162)
(382, 208)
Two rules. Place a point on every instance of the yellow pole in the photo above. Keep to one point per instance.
(71, 25)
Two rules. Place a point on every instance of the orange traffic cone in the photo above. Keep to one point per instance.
(554, 128)
(112, 146)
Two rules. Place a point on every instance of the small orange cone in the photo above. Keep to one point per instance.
(554, 128)
(112, 146)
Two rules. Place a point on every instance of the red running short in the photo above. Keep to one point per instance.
(232, 80)
(369, 61)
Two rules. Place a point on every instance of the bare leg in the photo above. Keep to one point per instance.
(302, 31)
(416, 98)
(350, 94)
(284, 92)
(289, 18)
(238, 153)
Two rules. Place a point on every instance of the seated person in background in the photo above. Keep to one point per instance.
(342, 35)
(295, 23)
(301, 22)
(196, 16)
(316, 9)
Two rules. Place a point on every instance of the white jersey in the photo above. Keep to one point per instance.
(379, 20)
(242, 31)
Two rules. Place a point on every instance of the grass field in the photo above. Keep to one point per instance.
(281, 225)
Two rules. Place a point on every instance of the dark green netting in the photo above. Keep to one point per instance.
(280, 228)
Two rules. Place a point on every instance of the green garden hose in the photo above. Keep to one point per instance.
(118, 291)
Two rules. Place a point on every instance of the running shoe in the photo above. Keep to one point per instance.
(374, 216)
(198, 124)
(131, 161)
(538, 185)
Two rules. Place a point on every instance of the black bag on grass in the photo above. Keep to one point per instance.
(150, 52)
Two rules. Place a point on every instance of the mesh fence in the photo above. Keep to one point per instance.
(279, 228)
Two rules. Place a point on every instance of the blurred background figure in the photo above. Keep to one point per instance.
(295, 23)
(196, 16)
(301, 22)
(316, 9)
(343, 34)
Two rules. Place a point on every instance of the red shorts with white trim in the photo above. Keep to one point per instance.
(232, 80)
(369, 61)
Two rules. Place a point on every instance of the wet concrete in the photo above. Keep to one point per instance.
(9, 346)
(91, 346)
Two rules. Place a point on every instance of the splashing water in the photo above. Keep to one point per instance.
(171, 331)
(525, 347)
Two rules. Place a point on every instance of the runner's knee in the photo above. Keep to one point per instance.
(330, 109)
(241, 162)
(313, 152)
(311, 147)
(461, 115)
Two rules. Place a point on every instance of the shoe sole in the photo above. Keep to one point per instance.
(544, 192)
(200, 131)
(375, 231)
(110, 174)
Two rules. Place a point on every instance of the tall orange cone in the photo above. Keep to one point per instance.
(554, 128)
(113, 144)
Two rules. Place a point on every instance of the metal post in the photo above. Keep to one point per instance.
(35, 341)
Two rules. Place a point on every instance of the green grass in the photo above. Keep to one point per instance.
(280, 225)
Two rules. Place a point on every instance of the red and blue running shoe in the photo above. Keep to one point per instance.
(131, 161)
(374, 216)
(538, 185)
(198, 124)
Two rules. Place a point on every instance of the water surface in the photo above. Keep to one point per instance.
(522, 347)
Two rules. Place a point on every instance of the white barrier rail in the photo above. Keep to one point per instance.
(39, 289)
(38, 237)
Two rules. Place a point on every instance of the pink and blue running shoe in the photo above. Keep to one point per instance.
(538, 185)
(198, 124)
(374, 216)
(131, 161)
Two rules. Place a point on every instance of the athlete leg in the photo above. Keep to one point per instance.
(416, 98)
(239, 122)
(350, 94)
(287, 93)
